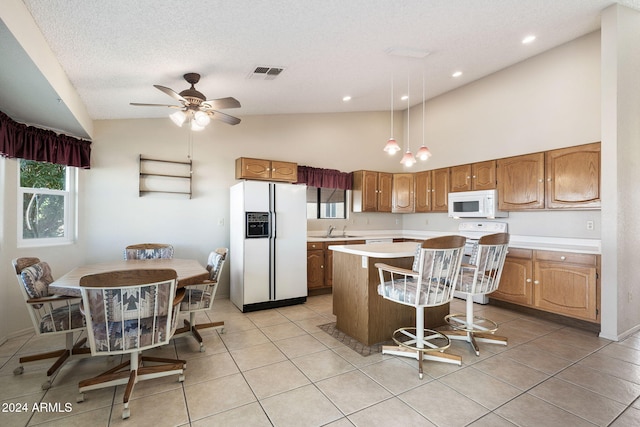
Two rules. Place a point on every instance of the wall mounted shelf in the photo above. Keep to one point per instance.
(169, 177)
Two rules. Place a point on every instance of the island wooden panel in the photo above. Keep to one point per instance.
(363, 314)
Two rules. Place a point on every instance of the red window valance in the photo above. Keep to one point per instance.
(324, 178)
(18, 140)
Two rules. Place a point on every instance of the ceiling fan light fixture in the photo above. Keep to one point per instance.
(201, 118)
(178, 117)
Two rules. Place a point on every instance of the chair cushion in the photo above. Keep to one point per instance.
(215, 261)
(36, 279)
(195, 299)
(58, 319)
(130, 334)
(484, 284)
(406, 293)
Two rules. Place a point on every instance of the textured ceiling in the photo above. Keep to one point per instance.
(114, 51)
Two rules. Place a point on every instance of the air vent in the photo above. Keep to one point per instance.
(265, 73)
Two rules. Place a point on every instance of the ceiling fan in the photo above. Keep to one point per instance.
(195, 108)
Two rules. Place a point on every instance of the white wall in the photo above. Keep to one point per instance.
(621, 198)
(549, 101)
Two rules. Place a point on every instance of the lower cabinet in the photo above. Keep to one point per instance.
(320, 264)
(564, 283)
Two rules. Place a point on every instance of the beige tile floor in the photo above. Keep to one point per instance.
(277, 368)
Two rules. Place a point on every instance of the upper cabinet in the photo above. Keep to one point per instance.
(423, 191)
(269, 170)
(440, 190)
(372, 191)
(475, 176)
(556, 179)
(521, 182)
(402, 195)
(573, 177)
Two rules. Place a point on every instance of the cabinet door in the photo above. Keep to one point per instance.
(284, 171)
(403, 193)
(516, 280)
(521, 182)
(440, 190)
(328, 262)
(573, 177)
(483, 175)
(315, 268)
(423, 191)
(253, 168)
(460, 178)
(364, 194)
(385, 185)
(566, 289)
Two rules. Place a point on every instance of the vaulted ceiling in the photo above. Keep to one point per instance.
(113, 52)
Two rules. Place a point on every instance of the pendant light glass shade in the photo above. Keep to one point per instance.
(392, 146)
(195, 125)
(408, 160)
(178, 117)
(201, 118)
(423, 153)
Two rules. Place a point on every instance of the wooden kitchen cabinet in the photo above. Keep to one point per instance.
(559, 282)
(516, 283)
(521, 182)
(422, 190)
(474, 176)
(270, 170)
(315, 265)
(372, 191)
(403, 193)
(440, 190)
(573, 177)
(566, 283)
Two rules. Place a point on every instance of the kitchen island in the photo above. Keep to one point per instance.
(360, 312)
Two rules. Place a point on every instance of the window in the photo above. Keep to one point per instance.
(326, 203)
(45, 203)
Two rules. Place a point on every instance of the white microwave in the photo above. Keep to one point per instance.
(475, 204)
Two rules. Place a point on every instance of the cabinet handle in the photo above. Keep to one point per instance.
(535, 282)
(322, 266)
(528, 280)
(474, 177)
(549, 179)
(563, 257)
(540, 180)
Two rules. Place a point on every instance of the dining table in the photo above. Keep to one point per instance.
(189, 271)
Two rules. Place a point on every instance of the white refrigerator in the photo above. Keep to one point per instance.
(267, 245)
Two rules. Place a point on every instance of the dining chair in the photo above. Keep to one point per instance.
(50, 315)
(432, 284)
(199, 298)
(127, 312)
(148, 251)
(481, 277)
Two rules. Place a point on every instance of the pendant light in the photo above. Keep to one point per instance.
(392, 146)
(408, 160)
(423, 152)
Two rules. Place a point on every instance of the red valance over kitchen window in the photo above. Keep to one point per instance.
(324, 178)
(29, 143)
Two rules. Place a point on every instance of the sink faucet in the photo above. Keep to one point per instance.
(331, 228)
(344, 231)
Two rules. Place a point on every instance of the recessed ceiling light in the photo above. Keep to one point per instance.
(528, 39)
(346, 98)
(456, 74)
(404, 97)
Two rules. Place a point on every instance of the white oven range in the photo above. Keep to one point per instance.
(473, 231)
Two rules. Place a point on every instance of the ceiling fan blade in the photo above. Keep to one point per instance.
(217, 115)
(221, 103)
(171, 93)
(137, 104)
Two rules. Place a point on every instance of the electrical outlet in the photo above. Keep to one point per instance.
(589, 225)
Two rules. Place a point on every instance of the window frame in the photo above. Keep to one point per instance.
(318, 203)
(69, 205)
